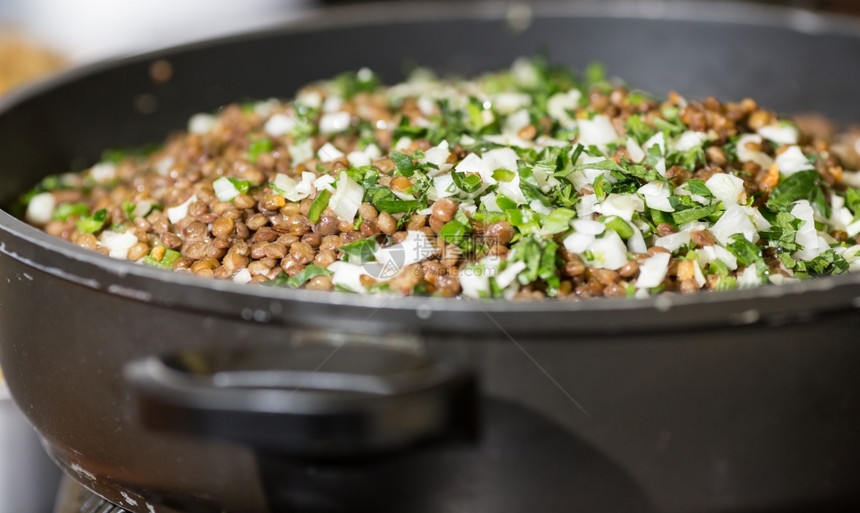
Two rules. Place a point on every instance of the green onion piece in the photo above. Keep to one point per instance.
(558, 220)
(167, 260)
(468, 183)
(93, 223)
(319, 205)
(504, 175)
(243, 186)
(66, 210)
(455, 232)
(258, 147)
(619, 226)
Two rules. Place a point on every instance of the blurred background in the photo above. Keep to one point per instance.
(41, 36)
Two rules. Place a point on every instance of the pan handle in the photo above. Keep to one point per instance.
(308, 399)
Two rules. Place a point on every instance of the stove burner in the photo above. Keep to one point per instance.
(96, 504)
(74, 498)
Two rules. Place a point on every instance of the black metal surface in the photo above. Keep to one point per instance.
(744, 401)
(312, 400)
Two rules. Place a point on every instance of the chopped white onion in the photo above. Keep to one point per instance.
(689, 140)
(358, 159)
(279, 124)
(516, 122)
(103, 172)
(621, 205)
(438, 155)
(807, 236)
(118, 243)
(310, 98)
(636, 153)
(559, 105)
(749, 278)
(792, 161)
(301, 152)
(747, 155)
(608, 252)
(500, 158)
(636, 242)
(334, 122)
(40, 209)
(598, 131)
(779, 133)
(509, 102)
(444, 186)
(509, 275)
(726, 187)
(374, 152)
(348, 275)
(653, 271)
(224, 189)
(416, 247)
(578, 242)
(656, 195)
(201, 123)
(346, 198)
(242, 277)
(332, 104)
(588, 226)
(180, 212)
(735, 220)
(293, 190)
(163, 166)
(673, 241)
(328, 153)
(324, 182)
(475, 164)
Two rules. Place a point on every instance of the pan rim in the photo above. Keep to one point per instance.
(138, 282)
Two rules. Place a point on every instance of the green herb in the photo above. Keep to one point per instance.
(638, 129)
(698, 187)
(319, 205)
(783, 232)
(746, 252)
(93, 223)
(799, 186)
(66, 210)
(351, 83)
(827, 263)
(309, 272)
(360, 251)
(258, 147)
(694, 214)
(167, 260)
(404, 163)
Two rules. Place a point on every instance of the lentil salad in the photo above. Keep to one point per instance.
(530, 182)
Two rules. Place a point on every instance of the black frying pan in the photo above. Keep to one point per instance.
(742, 401)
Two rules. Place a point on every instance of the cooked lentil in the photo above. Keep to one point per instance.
(526, 183)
